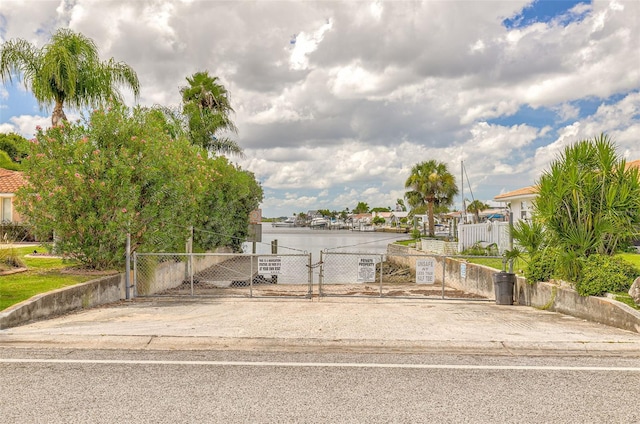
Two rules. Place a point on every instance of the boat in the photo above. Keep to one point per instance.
(319, 223)
(289, 222)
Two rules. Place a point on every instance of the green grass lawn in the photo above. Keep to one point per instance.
(44, 274)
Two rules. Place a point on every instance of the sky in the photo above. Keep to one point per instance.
(336, 101)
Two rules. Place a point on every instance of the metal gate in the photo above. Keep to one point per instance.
(222, 275)
(387, 275)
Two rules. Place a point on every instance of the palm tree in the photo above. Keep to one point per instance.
(432, 184)
(206, 107)
(66, 72)
(588, 202)
(476, 207)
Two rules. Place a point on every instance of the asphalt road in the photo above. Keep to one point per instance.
(320, 361)
(114, 386)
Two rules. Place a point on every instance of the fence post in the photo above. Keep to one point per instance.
(127, 261)
(444, 272)
(310, 277)
(381, 265)
(189, 261)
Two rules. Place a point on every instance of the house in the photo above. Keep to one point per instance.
(520, 202)
(384, 215)
(10, 182)
(397, 217)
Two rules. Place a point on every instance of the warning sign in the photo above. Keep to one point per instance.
(270, 265)
(366, 270)
(426, 271)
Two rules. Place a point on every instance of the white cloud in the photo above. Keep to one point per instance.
(368, 89)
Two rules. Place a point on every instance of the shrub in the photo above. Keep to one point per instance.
(541, 266)
(600, 274)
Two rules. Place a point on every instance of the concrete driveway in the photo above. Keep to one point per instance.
(335, 324)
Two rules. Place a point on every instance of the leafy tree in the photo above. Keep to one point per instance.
(381, 209)
(16, 146)
(362, 207)
(378, 220)
(432, 184)
(206, 107)
(118, 172)
(7, 163)
(400, 203)
(476, 207)
(588, 203)
(224, 209)
(66, 72)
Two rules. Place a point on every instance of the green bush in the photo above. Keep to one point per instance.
(541, 266)
(600, 274)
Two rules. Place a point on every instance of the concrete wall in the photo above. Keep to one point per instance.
(553, 296)
(85, 295)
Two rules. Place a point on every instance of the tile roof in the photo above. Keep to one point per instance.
(10, 181)
(534, 190)
(633, 164)
(517, 193)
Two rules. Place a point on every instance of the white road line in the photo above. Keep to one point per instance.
(317, 365)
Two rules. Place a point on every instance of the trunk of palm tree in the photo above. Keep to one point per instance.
(432, 227)
(58, 114)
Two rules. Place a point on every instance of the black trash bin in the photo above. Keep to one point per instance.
(503, 283)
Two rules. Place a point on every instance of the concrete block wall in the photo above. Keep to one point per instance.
(85, 295)
(552, 296)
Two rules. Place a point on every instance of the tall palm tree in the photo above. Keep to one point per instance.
(66, 72)
(432, 184)
(206, 107)
(476, 207)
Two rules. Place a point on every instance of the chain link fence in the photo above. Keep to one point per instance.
(387, 275)
(222, 275)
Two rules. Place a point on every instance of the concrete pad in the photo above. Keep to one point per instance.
(326, 324)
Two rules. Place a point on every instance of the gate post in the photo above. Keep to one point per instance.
(127, 276)
(310, 278)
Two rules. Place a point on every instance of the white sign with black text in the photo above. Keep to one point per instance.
(426, 271)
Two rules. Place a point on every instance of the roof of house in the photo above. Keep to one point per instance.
(633, 164)
(521, 192)
(10, 181)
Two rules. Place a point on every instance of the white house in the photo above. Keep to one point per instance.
(519, 201)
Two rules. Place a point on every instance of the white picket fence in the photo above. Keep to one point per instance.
(486, 233)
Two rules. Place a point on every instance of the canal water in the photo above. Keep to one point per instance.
(292, 240)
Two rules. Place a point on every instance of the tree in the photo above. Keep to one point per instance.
(432, 184)
(228, 200)
(16, 146)
(93, 182)
(588, 203)
(66, 72)
(206, 107)
(362, 207)
(400, 206)
(476, 207)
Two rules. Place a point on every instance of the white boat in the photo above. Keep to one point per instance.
(289, 222)
(319, 223)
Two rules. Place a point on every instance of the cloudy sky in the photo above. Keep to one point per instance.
(336, 100)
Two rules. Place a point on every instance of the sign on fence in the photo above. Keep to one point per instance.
(426, 271)
(366, 270)
(270, 265)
